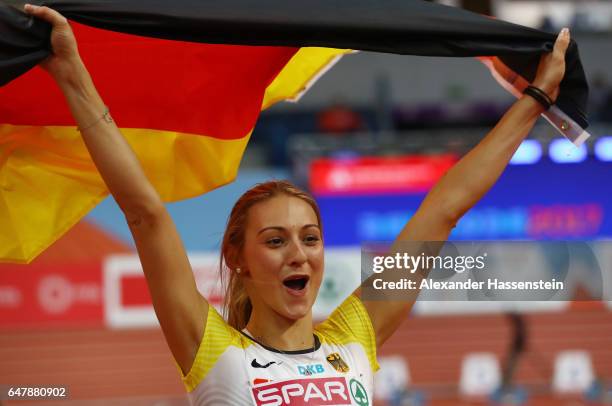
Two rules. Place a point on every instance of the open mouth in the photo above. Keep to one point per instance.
(296, 282)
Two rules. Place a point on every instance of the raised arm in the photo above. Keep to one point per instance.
(180, 308)
(468, 181)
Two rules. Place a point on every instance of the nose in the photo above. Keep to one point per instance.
(297, 255)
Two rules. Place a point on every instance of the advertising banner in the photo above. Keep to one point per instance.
(51, 295)
(542, 201)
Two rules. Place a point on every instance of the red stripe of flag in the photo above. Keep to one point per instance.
(143, 81)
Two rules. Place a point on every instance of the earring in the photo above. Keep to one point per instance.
(238, 270)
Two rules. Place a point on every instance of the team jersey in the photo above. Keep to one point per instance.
(232, 368)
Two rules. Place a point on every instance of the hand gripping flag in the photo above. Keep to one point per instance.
(188, 87)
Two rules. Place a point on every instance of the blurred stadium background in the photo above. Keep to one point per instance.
(368, 140)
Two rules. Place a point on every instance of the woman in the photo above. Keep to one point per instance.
(269, 353)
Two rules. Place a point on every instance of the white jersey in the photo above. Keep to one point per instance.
(231, 368)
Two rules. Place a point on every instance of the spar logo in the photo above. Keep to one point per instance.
(358, 392)
(304, 392)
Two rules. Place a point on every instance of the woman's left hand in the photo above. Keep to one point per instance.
(552, 66)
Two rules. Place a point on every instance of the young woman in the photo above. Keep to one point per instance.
(269, 352)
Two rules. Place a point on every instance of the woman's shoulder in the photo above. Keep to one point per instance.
(348, 320)
(350, 324)
(219, 340)
(218, 330)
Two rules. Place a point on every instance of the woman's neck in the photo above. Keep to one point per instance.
(281, 333)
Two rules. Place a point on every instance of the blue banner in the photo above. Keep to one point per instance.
(543, 201)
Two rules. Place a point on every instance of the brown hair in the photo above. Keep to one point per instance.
(237, 304)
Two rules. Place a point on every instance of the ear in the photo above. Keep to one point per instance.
(244, 270)
(234, 260)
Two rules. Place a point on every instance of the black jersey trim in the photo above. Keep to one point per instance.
(294, 352)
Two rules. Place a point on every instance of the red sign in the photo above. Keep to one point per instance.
(303, 392)
(412, 174)
(134, 290)
(50, 295)
(127, 301)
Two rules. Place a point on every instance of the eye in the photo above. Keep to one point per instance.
(311, 239)
(274, 242)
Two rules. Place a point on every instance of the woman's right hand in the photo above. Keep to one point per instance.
(60, 64)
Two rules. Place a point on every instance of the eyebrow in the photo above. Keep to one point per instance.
(279, 228)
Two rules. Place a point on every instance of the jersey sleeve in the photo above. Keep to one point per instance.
(350, 322)
(218, 336)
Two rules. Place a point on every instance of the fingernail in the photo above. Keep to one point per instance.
(565, 31)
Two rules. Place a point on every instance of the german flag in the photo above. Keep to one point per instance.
(186, 109)
(188, 87)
